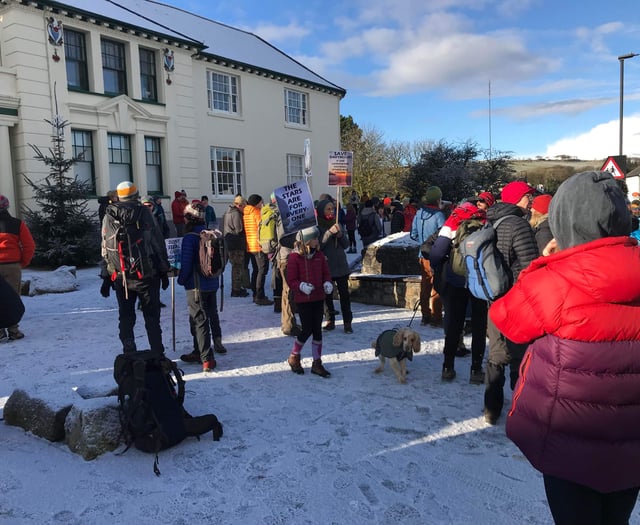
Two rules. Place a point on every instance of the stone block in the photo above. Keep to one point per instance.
(92, 427)
(395, 254)
(385, 290)
(42, 418)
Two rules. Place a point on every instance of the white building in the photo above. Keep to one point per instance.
(159, 96)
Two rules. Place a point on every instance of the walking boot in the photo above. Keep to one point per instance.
(218, 346)
(193, 357)
(331, 325)
(347, 328)
(318, 369)
(294, 363)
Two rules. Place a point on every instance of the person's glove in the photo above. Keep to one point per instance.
(164, 278)
(105, 289)
(306, 288)
(328, 287)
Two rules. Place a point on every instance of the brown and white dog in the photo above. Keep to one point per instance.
(398, 346)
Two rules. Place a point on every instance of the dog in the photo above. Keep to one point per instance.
(398, 345)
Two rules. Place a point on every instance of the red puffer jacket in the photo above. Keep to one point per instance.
(576, 408)
(303, 270)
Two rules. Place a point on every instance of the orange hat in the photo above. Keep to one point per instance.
(127, 191)
(541, 203)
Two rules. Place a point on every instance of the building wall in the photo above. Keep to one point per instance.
(29, 78)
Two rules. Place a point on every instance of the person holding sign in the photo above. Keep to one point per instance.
(309, 278)
(333, 243)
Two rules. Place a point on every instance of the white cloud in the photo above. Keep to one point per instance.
(601, 141)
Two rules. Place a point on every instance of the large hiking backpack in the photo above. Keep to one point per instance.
(464, 229)
(127, 251)
(150, 398)
(211, 259)
(487, 274)
(267, 235)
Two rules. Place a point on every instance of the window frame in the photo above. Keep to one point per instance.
(115, 158)
(148, 71)
(301, 109)
(232, 157)
(116, 65)
(85, 149)
(152, 161)
(80, 63)
(294, 177)
(230, 96)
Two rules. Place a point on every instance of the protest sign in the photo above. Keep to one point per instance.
(340, 168)
(295, 204)
(174, 245)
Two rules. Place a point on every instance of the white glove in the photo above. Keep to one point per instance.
(328, 287)
(306, 288)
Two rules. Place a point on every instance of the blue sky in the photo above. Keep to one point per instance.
(420, 70)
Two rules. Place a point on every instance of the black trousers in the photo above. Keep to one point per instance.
(574, 504)
(204, 321)
(259, 270)
(502, 353)
(148, 290)
(342, 284)
(455, 301)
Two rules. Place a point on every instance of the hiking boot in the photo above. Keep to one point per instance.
(239, 293)
(15, 334)
(347, 328)
(218, 347)
(448, 374)
(477, 377)
(294, 363)
(331, 325)
(425, 320)
(209, 365)
(462, 351)
(318, 369)
(490, 416)
(294, 332)
(193, 357)
(263, 301)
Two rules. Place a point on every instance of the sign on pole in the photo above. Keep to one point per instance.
(340, 168)
(295, 204)
(616, 166)
(174, 246)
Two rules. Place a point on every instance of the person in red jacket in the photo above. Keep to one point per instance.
(309, 277)
(177, 211)
(575, 411)
(16, 250)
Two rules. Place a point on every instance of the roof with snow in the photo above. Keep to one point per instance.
(214, 41)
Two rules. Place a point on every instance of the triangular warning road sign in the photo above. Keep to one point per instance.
(611, 165)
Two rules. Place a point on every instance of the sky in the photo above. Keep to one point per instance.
(357, 448)
(528, 77)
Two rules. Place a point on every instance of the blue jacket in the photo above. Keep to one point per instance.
(427, 221)
(189, 256)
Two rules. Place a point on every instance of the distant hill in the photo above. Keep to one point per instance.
(523, 166)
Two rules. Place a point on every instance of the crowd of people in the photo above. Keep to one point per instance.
(566, 331)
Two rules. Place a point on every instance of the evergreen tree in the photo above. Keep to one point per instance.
(65, 231)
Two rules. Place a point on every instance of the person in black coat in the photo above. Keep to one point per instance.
(11, 306)
(516, 243)
(397, 217)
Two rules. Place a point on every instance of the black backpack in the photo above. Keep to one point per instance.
(150, 398)
(127, 252)
(365, 226)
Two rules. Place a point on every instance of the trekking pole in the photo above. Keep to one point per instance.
(221, 291)
(173, 311)
(415, 309)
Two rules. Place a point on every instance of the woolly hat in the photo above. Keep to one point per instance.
(127, 191)
(386, 201)
(586, 207)
(254, 199)
(487, 197)
(432, 195)
(541, 203)
(308, 234)
(147, 199)
(194, 212)
(514, 191)
(4, 203)
(239, 201)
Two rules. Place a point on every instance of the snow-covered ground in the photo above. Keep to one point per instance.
(357, 448)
